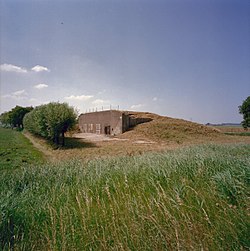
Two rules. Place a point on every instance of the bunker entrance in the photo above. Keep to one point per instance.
(107, 130)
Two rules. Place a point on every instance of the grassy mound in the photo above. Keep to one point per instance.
(191, 199)
(169, 129)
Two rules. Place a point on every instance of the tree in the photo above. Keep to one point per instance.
(5, 119)
(14, 118)
(51, 121)
(60, 118)
(35, 121)
(245, 110)
(17, 114)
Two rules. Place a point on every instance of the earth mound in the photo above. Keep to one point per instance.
(162, 128)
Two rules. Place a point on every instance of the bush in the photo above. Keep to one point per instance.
(51, 121)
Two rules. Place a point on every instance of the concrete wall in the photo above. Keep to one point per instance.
(104, 122)
(110, 122)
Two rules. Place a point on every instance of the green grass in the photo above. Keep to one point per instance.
(238, 133)
(192, 199)
(16, 150)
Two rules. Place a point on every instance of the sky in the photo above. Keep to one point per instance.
(186, 59)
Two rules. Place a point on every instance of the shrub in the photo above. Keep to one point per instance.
(51, 121)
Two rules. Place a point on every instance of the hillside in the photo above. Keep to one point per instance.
(162, 129)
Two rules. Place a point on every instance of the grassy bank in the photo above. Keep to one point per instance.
(16, 150)
(191, 199)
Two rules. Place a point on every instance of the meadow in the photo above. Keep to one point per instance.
(233, 130)
(194, 198)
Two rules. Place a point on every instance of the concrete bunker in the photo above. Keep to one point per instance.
(110, 122)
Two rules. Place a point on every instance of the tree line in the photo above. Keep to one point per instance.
(50, 121)
(14, 117)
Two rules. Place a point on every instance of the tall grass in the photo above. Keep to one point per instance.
(191, 199)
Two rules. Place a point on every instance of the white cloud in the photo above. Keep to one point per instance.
(18, 69)
(6, 96)
(36, 102)
(100, 102)
(155, 99)
(40, 86)
(39, 68)
(79, 97)
(33, 100)
(101, 92)
(17, 95)
(12, 68)
(137, 106)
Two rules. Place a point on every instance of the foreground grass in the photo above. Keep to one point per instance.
(191, 199)
(16, 150)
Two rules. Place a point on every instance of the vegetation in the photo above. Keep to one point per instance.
(238, 133)
(51, 121)
(166, 129)
(191, 199)
(245, 110)
(14, 118)
(16, 150)
(5, 119)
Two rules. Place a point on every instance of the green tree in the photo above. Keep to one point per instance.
(51, 121)
(14, 118)
(60, 118)
(245, 110)
(5, 119)
(17, 114)
(35, 121)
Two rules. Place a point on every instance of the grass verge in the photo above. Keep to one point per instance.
(195, 198)
(16, 150)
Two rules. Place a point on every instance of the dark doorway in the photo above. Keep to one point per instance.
(107, 130)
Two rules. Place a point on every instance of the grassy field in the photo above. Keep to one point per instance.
(194, 198)
(16, 150)
(232, 130)
(238, 133)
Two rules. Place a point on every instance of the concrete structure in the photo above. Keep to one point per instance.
(111, 122)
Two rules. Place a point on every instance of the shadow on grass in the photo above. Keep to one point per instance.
(76, 143)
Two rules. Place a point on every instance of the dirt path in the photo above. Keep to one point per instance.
(42, 148)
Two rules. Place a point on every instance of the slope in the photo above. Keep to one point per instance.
(162, 129)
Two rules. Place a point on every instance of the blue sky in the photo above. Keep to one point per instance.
(187, 59)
